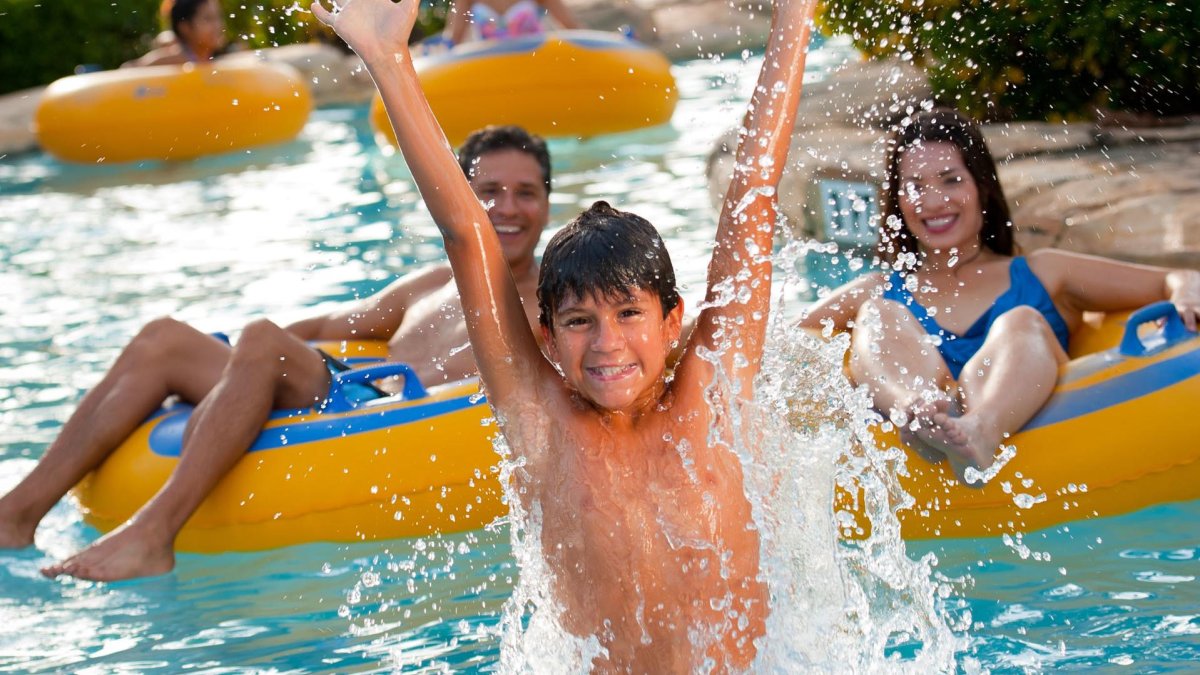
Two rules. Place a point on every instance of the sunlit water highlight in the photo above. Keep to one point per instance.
(90, 254)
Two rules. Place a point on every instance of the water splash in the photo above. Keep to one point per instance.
(836, 605)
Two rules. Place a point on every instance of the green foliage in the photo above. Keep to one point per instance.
(43, 40)
(272, 23)
(1030, 59)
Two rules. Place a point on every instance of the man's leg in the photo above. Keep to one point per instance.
(268, 369)
(166, 357)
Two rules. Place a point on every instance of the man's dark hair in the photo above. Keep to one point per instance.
(605, 253)
(493, 138)
(944, 125)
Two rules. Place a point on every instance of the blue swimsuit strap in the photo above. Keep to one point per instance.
(1031, 291)
(1024, 289)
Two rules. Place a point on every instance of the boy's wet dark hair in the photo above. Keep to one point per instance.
(944, 125)
(510, 137)
(605, 253)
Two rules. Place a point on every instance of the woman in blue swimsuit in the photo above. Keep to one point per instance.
(962, 342)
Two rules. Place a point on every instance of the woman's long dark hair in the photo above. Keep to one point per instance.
(944, 125)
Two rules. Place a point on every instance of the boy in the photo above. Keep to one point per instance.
(644, 520)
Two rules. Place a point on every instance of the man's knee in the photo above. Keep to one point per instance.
(160, 330)
(261, 339)
(159, 338)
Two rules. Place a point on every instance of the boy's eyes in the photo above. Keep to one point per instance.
(581, 321)
(524, 193)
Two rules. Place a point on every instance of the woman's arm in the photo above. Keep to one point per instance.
(841, 306)
(1091, 283)
(510, 362)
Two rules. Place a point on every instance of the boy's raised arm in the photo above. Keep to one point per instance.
(504, 345)
(739, 275)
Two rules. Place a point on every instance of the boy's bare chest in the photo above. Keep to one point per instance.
(658, 523)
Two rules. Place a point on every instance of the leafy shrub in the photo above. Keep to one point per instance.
(271, 23)
(1029, 59)
(43, 40)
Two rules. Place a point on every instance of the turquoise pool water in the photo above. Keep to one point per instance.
(90, 254)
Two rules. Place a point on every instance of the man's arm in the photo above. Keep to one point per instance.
(510, 362)
(376, 317)
(733, 322)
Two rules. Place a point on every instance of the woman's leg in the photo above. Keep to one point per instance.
(1003, 386)
(268, 369)
(166, 357)
(897, 359)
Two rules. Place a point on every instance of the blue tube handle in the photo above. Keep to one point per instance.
(1173, 328)
(413, 389)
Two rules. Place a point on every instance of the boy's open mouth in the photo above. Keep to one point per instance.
(608, 373)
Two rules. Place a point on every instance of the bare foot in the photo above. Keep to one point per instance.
(920, 416)
(960, 439)
(125, 553)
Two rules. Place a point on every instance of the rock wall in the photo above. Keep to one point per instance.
(1131, 193)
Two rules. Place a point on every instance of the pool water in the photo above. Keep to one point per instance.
(89, 254)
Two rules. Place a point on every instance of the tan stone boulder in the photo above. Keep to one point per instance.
(1131, 193)
(16, 121)
(612, 15)
(838, 144)
(1138, 202)
(333, 76)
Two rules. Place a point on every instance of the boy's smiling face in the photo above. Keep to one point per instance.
(614, 352)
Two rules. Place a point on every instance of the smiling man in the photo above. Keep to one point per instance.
(235, 388)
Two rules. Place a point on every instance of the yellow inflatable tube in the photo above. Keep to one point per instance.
(401, 466)
(171, 112)
(566, 83)
(1115, 437)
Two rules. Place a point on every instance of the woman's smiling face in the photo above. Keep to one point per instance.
(939, 198)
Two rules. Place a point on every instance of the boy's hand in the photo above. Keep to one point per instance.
(372, 28)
